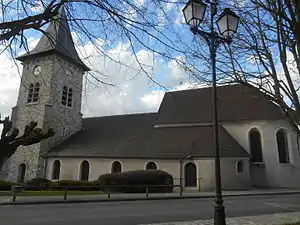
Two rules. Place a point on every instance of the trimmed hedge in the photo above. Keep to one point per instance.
(136, 179)
(6, 185)
(37, 184)
(74, 184)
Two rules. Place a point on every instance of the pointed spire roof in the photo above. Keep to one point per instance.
(57, 38)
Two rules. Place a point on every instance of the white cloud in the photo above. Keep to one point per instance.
(133, 92)
(39, 6)
(140, 2)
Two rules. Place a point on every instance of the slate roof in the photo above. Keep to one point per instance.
(57, 39)
(134, 136)
(235, 102)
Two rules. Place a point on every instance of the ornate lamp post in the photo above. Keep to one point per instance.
(227, 22)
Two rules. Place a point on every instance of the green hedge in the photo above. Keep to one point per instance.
(37, 184)
(6, 185)
(138, 178)
(74, 184)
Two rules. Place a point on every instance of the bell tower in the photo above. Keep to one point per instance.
(50, 94)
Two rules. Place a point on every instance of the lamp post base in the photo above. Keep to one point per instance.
(219, 214)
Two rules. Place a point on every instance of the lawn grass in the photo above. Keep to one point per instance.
(49, 193)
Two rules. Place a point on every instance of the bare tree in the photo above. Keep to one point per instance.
(103, 23)
(10, 140)
(265, 52)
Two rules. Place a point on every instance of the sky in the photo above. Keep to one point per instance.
(131, 93)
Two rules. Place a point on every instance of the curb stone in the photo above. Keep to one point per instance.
(267, 219)
(140, 199)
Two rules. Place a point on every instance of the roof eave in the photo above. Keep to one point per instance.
(26, 56)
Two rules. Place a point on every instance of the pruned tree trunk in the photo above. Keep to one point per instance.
(10, 140)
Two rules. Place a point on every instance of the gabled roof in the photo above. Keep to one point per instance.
(235, 102)
(57, 38)
(134, 136)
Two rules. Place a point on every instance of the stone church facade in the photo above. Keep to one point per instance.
(258, 148)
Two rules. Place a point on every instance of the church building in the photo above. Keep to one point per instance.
(258, 147)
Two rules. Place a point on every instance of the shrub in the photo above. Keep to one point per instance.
(6, 185)
(77, 185)
(138, 180)
(37, 184)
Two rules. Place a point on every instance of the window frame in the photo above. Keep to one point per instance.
(54, 169)
(255, 129)
(67, 97)
(81, 170)
(287, 146)
(112, 166)
(151, 162)
(240, 162)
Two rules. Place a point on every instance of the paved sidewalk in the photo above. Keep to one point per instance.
(270, 219)
(136, 197)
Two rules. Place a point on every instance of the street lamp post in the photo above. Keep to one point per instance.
(227, 22)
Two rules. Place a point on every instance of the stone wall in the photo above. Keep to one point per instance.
(48, 112)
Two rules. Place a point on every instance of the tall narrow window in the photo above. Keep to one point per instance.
(64, 96)
(116, 167)
(30, 93)
(70, 95)
(255, 146)
(56, 170)
(84, 171)
(282, 146)
(67, 95)
(36, 92)
(22, 173)
(240, 167)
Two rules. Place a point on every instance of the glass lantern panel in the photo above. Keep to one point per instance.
(188, 13)
(222, 24)
(232, 23)
(199, 10)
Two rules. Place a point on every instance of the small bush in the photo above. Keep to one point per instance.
(36, 184)
(136, 181)
(6, 185)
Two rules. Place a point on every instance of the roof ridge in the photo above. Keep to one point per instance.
(121, 115)
(207, 87)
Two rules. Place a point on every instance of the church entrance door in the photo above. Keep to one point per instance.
(190, 175)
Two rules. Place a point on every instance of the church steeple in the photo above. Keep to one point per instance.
(58, 39)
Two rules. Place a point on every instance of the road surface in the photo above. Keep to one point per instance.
(143, 212)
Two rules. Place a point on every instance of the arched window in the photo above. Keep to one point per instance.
(84, 171)
(30, 93)
(64, 96)
(282, 146)
(240, 166)
(56, 170)
(36, 92)
(116, 167)
(255, 146)
(190, 175)
(67, 96)
(70, 96)
(22, 173)
(151, 166)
